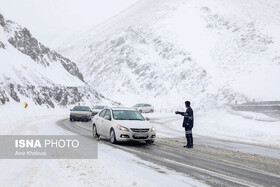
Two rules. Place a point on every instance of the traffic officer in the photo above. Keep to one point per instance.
(188, 123)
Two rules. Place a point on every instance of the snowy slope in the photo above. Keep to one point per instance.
(167, 51)
(32, 72)
(52, 22)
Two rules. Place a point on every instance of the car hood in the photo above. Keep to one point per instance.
(134, 123)
(80, 112)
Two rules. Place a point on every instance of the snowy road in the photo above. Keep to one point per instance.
(237, 164)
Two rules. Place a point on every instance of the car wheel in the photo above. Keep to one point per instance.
(151, 111)
(113, 137)
(94, 132)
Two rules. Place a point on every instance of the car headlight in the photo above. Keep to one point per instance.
(153, 129)
(122, 128)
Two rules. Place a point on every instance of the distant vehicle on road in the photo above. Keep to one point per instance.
(144, 108)
(83, 113)
(96, 109)
(123, 124)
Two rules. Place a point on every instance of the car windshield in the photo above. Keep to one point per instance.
(137, 105)
(127, 115)
(81, 108)
(98, 107)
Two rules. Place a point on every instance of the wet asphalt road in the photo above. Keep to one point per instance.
(224, 163)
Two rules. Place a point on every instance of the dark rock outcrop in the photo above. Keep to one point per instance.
(50, 93)
(22, 40)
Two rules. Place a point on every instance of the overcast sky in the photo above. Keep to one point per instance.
(54, 22)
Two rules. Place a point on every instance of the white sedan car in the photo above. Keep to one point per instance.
(123, 124)
(144, 108)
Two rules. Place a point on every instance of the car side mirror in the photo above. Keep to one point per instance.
(107, 117)
(148, 119)
(71, 109)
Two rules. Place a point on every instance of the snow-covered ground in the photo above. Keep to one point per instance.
(112, 168)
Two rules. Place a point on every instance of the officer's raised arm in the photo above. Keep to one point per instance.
(181, 113)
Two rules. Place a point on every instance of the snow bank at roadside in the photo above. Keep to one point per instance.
(223, 124)
(13, 115)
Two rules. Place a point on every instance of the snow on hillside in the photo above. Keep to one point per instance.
(53, 22)
(32, 72)
(167, 51)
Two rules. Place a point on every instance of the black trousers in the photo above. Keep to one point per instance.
(189, 136)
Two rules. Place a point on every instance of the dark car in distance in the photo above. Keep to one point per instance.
(82, 113)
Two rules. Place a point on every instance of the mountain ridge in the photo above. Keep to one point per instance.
(35, 73)
(165, 52)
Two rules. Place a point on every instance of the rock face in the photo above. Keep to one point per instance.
(140, 62)
(23, 41)
(49, 96)
(29, 71)
(2, 45)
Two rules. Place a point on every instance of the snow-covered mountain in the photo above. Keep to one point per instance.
(32, 72)
(166, 51)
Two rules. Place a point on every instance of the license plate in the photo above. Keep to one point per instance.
(138, 135)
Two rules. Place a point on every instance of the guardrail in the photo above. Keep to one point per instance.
(256, 108)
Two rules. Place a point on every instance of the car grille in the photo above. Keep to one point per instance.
(142, 137)
(139, 130)
(80, 115)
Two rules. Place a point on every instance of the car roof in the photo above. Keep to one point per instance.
(81, 106)
(122, 108)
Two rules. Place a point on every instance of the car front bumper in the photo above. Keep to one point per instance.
(85, 117)
(123, 136)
